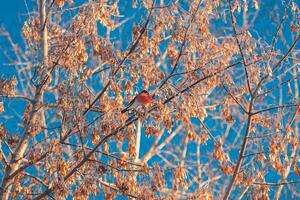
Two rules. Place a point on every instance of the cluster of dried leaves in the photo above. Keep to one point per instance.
(221, 119)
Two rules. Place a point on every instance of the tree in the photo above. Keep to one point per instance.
(224, 117)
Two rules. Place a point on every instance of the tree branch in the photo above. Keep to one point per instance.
(241, 154)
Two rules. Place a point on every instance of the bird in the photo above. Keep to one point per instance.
(142, 99)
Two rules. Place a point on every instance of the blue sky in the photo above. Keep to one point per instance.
(13, 14)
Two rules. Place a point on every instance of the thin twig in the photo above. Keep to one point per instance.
(106, 154)
(36, 178)
(241, 106)
(16, 97)
(278, 86)
(116, 168)
(275, 107)
(254, 154)
(287, 7)
(240, 48)
(276, 184)
(182, 45)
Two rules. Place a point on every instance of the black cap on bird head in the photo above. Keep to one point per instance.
(145, 91)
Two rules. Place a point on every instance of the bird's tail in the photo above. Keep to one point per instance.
(124, 110)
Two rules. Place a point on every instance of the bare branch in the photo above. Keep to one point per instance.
(36, 178)
(275, 107)
(276, 184)
(241, 154)
(16, 97)
(109, 155)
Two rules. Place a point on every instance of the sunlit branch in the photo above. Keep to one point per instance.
(209, 133)
(210, 180)
(285, 71)
(243, 193)
(198, 154)
(51, 128)
(168, 163)
(77, 7)
(8, 147)
(44, 32)
(169, 138)
(3, 155)
(100, 70)
(164, 6)
(194, 70)
(15, 64)
(138, 140)
(150, 153)
(184, 150)
(26, 165)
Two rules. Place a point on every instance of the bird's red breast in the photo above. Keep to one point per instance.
(144, 98)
